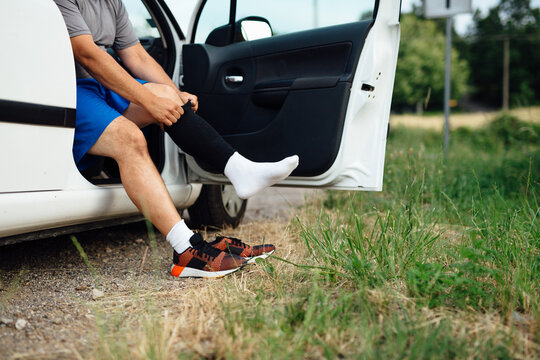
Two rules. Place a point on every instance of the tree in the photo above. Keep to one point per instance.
(421, 65)
(519, 23)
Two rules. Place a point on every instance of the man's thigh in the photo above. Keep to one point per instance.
(139, 115)
(121, 137)
(94, 115)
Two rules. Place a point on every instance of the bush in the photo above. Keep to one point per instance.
(510, 130)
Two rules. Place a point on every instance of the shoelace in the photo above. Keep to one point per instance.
(237, 242)
(200, 253)
(204, 250)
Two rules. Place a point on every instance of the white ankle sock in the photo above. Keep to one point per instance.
(179, 237)
(250, 177)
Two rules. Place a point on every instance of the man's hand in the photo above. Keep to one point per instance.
(165, 111)
(143, 66)
(185, 97)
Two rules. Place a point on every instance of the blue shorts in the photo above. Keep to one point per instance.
(97, 107)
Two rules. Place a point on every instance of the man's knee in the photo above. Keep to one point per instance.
(162, 90)
(130, 140)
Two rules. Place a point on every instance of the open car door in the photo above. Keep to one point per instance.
(323, 94)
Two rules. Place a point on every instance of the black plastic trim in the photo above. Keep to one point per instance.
(36, 114)
(67, 230)
(196, 23)
(232, 20)
(167, 34)
(376, 9)
(301, 83)
(172, 19)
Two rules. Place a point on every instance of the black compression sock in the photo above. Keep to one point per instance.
(199, 139)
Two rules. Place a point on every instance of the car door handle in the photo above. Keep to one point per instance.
(234, 79)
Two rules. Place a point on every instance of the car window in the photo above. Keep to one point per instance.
(285, 16)
(214, 14)
(140, 18)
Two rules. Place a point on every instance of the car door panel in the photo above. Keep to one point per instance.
(292, 99)
(323, 94)
(314, 134)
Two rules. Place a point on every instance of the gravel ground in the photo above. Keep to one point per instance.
(47, 290)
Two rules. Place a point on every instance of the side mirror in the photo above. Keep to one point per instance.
(249, 28)
(255, 28)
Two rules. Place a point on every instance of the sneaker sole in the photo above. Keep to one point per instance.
(180, 271)
(263, 256)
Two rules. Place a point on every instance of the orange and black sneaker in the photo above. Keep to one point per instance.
(204, 260)
(237, 247)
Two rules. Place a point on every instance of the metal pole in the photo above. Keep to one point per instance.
(447, 85)
(506, 73)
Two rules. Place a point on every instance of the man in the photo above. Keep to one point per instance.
(112, 106)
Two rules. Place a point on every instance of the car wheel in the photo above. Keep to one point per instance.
(217, 206)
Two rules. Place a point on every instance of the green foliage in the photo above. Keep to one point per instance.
(460, 236)
(510, 130)
(486, 194)
(459, 284)
(518, 21)
(320, 322)
(421, 65)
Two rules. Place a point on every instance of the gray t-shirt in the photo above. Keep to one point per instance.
(106, 20)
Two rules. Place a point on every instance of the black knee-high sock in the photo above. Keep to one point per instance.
(199, 139)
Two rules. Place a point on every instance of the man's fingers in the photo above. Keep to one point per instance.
(175, 112)
(194, 103)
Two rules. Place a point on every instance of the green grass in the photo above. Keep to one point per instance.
(438, 265)
(443, 264)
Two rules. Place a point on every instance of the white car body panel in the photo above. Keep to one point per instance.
(33, 211)
(40, 185)
(26, 151)
(48, 63)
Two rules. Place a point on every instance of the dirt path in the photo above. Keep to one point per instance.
(46, 286)
(472, 120)
(276, 202)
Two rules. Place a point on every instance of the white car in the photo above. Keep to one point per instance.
(323, 93)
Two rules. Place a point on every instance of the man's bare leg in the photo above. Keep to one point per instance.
(198, 138)
(123, 141)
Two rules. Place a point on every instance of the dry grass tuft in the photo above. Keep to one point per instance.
(189, 319)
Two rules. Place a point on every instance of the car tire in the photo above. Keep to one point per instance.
(218, 206)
